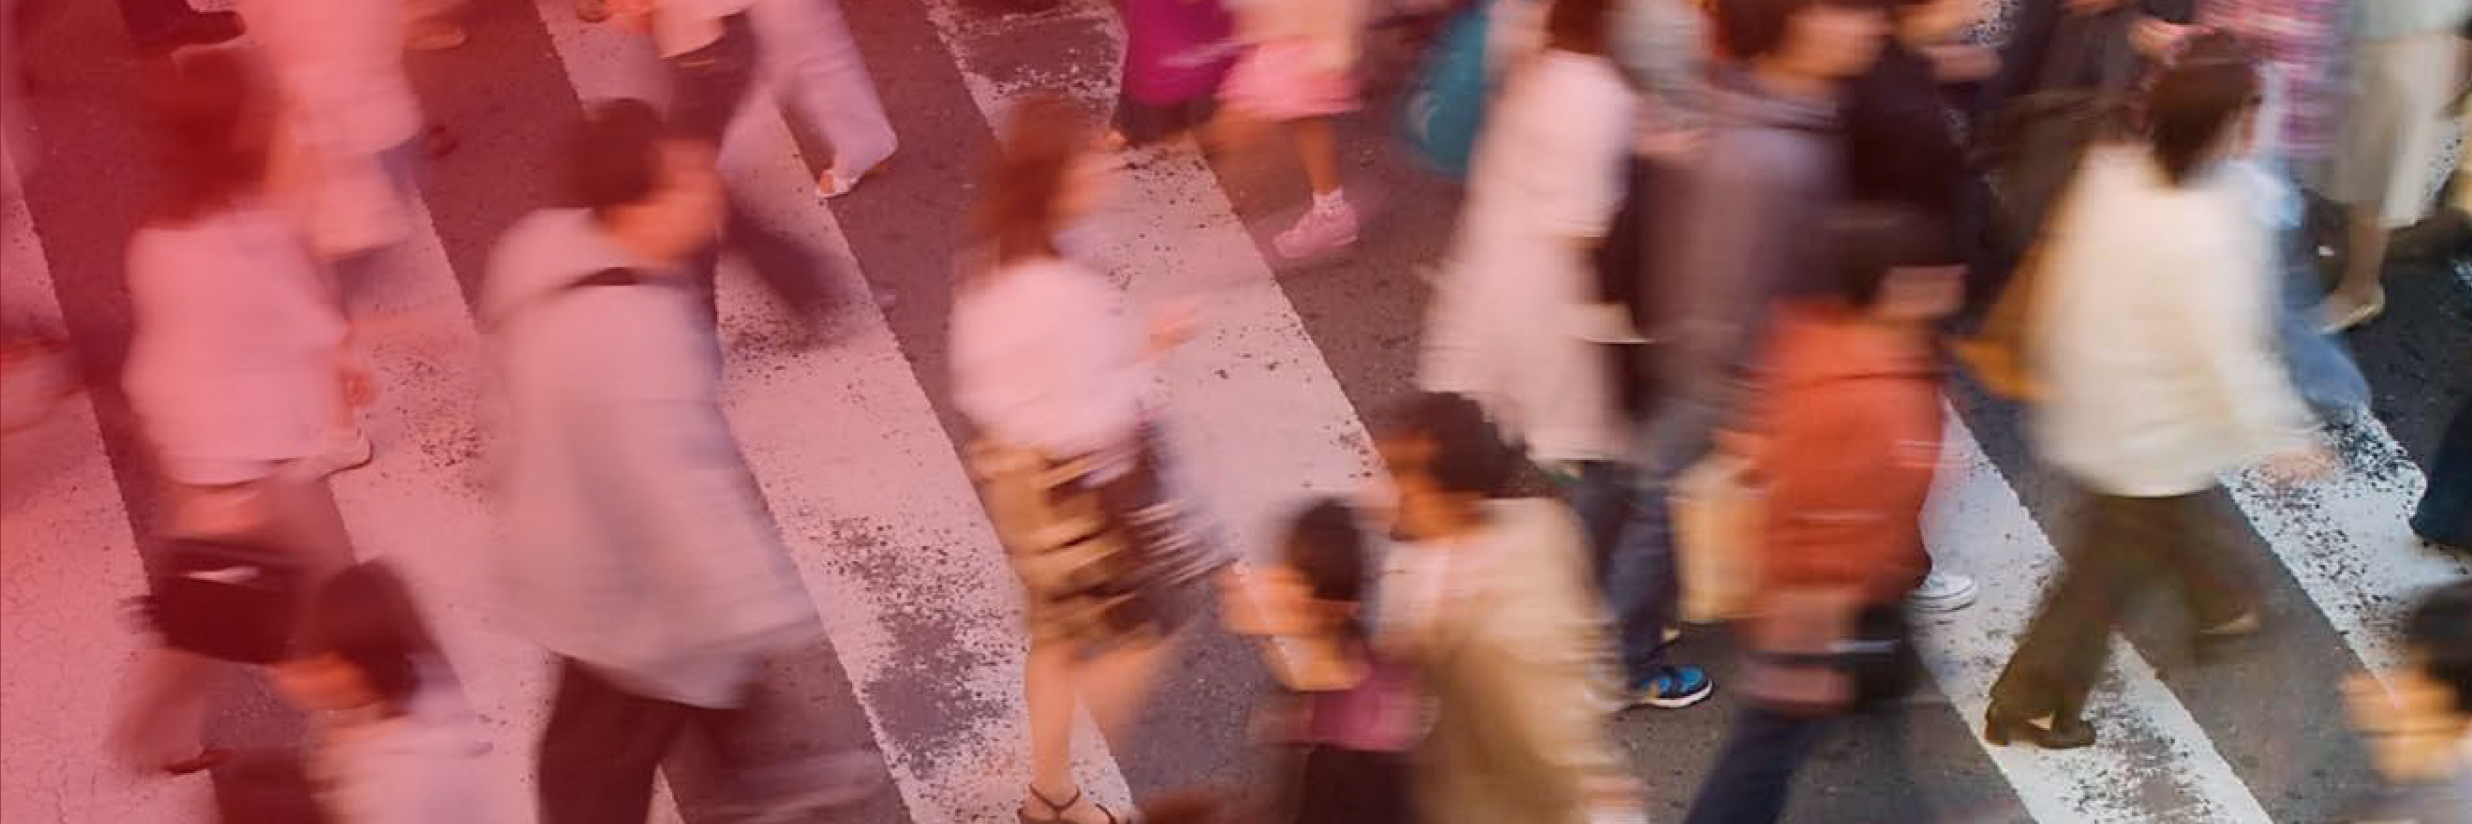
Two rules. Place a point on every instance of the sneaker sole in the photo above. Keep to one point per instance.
(1676, 703)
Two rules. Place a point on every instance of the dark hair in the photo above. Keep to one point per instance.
(1578, 26)
(1017, 215)
(1751, 29)
(211, 128)
(613, 154)
(2441, 629)
(366, 616)
(1873, 239)
(1469, 454)
(1324, 544)
(2196, 100)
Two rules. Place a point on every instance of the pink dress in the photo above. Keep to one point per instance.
(2302, 42)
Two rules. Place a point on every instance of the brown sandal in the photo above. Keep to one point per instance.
(1055, 811)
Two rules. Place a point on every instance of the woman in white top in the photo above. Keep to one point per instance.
(239, 359)
(1052, 368)
(1516, 321)
(2152, 334)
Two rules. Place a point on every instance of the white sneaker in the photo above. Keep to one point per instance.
(1943, 592)
(1323, 228)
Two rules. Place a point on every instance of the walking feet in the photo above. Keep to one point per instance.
(2003, 726)
(1073, 810)
(1329, 225)
(1673, 688)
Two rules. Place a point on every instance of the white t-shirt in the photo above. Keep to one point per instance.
(1047, 355)
(233, 366)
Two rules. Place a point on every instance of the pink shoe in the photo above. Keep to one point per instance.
(1322, 229)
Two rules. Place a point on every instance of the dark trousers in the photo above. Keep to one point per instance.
(710, 85)
(601, 747)
(2445, 512)
(1755, 771)
(2123, 548)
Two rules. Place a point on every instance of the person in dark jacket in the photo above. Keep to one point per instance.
(1733, 241)
(2445, 513)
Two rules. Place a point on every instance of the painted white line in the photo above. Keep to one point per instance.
(67, 561)
(2348, 543)
(2153, 763)
(886, 530)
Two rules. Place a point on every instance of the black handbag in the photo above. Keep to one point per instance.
(228, 599)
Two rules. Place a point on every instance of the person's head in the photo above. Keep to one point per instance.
(2202, 107)
(1046, 173)
(640, 181)
(2439, 636)
(1578, 26)
(1326, 555)
(1444, 459)
(1891, 264)
(212, 125)
(363, 645)
(2418, 718)
(1820, 39)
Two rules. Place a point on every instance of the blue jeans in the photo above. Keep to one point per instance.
(1628, 514)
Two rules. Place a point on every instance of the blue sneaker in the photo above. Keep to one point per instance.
(1673, 688)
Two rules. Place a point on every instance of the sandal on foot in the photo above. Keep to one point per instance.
(1055, 811)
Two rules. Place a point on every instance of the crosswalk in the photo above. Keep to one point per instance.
(853, 446)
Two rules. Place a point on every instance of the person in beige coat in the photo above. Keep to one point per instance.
(1492, 601)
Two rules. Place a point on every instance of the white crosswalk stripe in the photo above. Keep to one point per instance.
(889, 538)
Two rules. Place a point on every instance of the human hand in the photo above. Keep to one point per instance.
(2156, 38)
(2302, 466)
(360, 387)
(1173, 325)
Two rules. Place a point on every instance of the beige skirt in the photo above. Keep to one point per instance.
(2398, 128)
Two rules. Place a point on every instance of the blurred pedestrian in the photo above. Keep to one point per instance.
(352, 127)
(1515, 321)
(1345, 714)
(1490, 599)
(640, 549)
(2418, 718)
(394, 741)
(1298, 72)
(1054, 370)
(2444, 516)
(2407, 71)
(808, 52)
(1739, 234)
(240, 354)
(1176, 52)
(712, 48)
(1845, 450)
(158, 27)
(2150, 330)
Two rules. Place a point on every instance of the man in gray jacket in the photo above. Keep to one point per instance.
(1735, 235)
(640, 550)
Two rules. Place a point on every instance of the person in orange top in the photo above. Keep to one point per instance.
(1847, 436)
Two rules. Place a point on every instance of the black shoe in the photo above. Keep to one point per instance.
(195, 29)
(2445, 234)
(2002, 727)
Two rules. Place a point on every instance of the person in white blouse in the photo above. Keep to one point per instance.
(2152, 333)
(1053, 369)
(239, 357)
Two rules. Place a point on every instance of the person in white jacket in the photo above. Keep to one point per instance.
(639, 549)
(2151, 331)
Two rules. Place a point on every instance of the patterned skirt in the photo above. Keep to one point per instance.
(1106, 554)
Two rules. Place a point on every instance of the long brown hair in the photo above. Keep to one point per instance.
(1020, 205)
(211, 123)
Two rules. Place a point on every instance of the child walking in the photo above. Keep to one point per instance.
(1298, 72)
(1344, 715)
(394, 742)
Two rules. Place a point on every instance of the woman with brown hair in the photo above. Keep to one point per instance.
(1053, 370)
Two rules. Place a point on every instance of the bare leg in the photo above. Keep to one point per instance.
(1317, 146)
(1048, 690)
(1116, 686)
(162, 717)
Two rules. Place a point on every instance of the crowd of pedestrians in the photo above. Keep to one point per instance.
(1709, 253)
